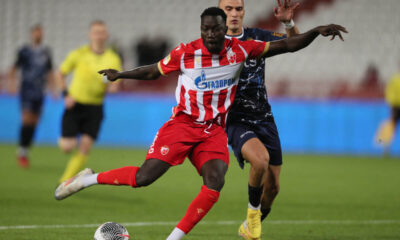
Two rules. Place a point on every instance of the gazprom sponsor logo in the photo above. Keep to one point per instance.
(202, 83)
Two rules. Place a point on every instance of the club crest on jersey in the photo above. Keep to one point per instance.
(231, 56)
(164, 150)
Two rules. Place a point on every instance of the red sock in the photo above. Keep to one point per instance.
(198, 208)
(119, 176)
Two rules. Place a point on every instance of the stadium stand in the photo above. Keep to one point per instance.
(66, 22)
(373, 27)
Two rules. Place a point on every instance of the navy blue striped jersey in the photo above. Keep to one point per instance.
(34, 63)
(251, 101)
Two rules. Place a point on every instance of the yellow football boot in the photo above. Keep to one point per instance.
(242, 231)
(253, 223)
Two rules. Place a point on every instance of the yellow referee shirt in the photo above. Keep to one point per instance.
(87, 86)
(392, 93)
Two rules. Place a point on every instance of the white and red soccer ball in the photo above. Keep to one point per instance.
(111, 231)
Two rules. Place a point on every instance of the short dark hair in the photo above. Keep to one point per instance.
(219, 2)
(97, 22)
(36, 26)
(214, 11)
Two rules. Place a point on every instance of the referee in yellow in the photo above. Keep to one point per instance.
(392, 96)
(84, 97)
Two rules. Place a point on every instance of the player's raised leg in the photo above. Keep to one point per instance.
(133, 176)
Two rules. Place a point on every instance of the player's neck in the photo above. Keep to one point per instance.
(36, 44)
(97, 48)
(235, 32)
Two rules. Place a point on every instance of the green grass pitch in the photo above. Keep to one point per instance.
(321, 198)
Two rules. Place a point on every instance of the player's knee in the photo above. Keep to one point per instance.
(143, 179)
(84, 150)
(66, 149)
(66, 146)
(260, 163)
(213, 173)
(214, 180)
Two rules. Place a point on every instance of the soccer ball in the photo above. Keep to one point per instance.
(111, 231)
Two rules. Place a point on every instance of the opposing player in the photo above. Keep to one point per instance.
(84, 98)
(35, 63)
(209, 72)
(251, 129)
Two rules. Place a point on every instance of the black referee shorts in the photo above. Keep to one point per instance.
(396, 113)
(82, 119)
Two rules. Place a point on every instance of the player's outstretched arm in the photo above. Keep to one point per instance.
(301, 41)
(148, 72)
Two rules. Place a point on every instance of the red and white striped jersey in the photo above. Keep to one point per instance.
(207, 82)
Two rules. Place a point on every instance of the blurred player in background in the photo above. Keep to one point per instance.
(387, 129)
(209, 72)
(35, 62)
(84, 97)
(251, 128)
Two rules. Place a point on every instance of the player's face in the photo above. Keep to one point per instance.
(213, 30)
(234, 10)
(98, 34)
(37, 35)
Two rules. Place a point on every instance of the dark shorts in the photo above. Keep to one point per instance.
(33, 105)
(240, 133)
(396, 113)
(82, 119)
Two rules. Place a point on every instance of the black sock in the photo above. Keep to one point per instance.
(265, 213)
(255, 195)
(26, 135)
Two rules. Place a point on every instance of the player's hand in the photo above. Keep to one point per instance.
(69, 102)
(332, 30)
(110, 74)
(285, 12)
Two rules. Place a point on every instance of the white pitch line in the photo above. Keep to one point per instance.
(277, 222)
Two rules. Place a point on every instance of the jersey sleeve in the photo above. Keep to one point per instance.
(392, 90)
(69, 63)
(172, 62)
(267, 36)
(274, 36)
(255, 48)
